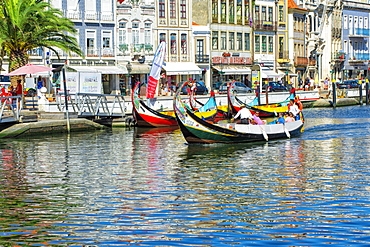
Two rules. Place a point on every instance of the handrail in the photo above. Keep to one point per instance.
(93, 105)
(9, 110)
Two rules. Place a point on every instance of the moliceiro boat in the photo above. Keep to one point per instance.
(198, 130)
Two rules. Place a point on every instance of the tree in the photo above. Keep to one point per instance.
(29, 24)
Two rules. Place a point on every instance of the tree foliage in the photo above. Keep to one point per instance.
(29, 24)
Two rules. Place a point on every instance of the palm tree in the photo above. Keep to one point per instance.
(29, 24)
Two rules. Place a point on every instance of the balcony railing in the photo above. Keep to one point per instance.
(360, 57)
(202, 58)
(283, 55)
(340, 56)
(361, 32)
(300, 61)
(36, 52)
(265, 25)
(89, 15)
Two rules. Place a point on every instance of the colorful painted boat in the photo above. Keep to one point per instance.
(147, 116)
(197, 130)
(269, 110)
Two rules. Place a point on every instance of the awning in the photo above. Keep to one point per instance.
(185, 68)
(270, 74)
(140, 69)
(233, 69)
(112, 70)
(290, 73)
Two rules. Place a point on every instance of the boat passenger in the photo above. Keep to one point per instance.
(281, 119)
(299, 103)
(289, 118)
(257, 120)
(244, 114)
(295, 110)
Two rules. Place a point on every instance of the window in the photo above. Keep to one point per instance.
(173, 43)
(239, 41)
(365, 22)
(215, 40)
(257, 43)
(162, 37)
(121, 36)
(135, 24)
(214, 10)
(183, 9)
(172, 9)
(281, 13)
(270, 17)
(231, 12)
(223, 11)
(148, 25)
(223, 40)
(264, 14)
(90, 42)
(122, 25)
(162, 9)
(271, 44)
(247, 14)
(247, 42)
(148, 37)
(257, 12)
(184, 46)
(200, 47)
(135, 36)
(239, 18)
(231, 41)
(107, 37)
(281, 47)
(264, 44)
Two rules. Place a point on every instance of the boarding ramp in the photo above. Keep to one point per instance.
(92, 106)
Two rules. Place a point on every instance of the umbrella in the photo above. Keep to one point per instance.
(29, 69)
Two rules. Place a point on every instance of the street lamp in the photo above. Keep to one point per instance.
(129, 69)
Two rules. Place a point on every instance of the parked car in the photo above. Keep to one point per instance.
(274, 86)
(239, 88)
(199, 90)
(348, 84)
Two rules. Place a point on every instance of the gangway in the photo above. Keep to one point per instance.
(10, 110)
(92, 106)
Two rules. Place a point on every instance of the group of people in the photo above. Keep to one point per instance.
(11, 91)
(295, 107)
(246, 117)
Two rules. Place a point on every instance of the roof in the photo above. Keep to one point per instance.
(293, 5)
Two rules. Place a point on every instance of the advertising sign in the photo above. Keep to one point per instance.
(90, 83)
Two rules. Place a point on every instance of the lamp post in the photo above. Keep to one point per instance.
(129, 69)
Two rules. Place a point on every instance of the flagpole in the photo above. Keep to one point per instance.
(65, 98)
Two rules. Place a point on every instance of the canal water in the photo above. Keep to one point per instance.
(146, 187)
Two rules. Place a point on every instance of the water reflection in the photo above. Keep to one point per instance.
(147, 187)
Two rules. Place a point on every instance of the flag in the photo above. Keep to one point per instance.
(155, 71)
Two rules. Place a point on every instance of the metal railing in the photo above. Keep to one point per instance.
(10, 109)
(90, 105)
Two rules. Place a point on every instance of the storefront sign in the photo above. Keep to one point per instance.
(231, 60)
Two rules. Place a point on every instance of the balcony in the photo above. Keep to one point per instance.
(36, 52)
(283, 57)
(360, 32)
(265, 25)
(201, 58)
(338, 56)
(72, 14)
(300, 61)
(359, 57)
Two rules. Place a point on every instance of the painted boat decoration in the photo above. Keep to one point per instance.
(269, 110)
(197, 130)
(146, 116)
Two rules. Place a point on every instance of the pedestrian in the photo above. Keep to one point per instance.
(18, 91)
